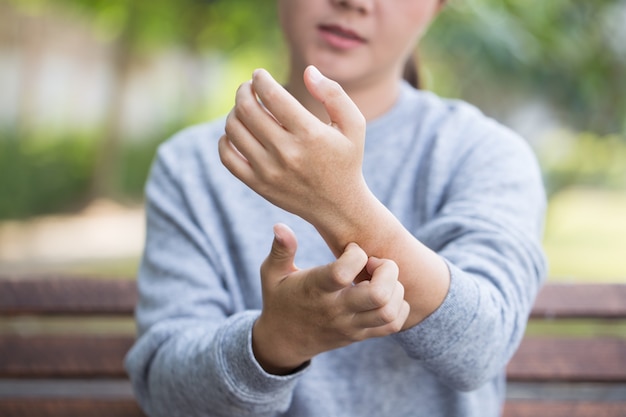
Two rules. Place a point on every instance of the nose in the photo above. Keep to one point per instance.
(361, 6)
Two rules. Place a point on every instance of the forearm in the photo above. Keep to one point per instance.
(470, 339)
(199, 371)
(366, 221)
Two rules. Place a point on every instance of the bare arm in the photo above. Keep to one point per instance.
(313, 170)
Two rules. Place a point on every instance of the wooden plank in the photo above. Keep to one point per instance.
(564, 391)
(581, 301)
(563, 409)
(64, 388)
(45, 407)
(572, 360)
(63, 356)
(66, 295)
(538, 359)
(73, 294)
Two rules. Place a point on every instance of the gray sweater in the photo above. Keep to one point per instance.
(464, 185)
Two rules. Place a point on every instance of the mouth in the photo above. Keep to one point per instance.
(340, 37)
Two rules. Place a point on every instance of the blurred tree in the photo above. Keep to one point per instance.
(570, 53)
(140, 27)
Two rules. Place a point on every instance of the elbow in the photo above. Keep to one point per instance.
(138, 373)
(473, 376)
(470, 369)
(470, 381)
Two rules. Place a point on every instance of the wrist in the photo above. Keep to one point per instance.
(273, 352)
(351, 220)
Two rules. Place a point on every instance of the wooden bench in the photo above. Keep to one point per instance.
(63, 339)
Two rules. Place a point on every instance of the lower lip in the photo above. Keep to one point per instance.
(339, 42)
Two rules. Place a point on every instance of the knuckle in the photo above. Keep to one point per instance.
(387, 315)
(379, 296)
(265, 267)
(291, 158)
(395, 326)
(245, 107)
(269, 94)
(224, 152)
(310, 129)
(340, 274)
(400, 290)
(229, 127)
(359, 119)
(392, 268)
(354, 336)
(270, 175)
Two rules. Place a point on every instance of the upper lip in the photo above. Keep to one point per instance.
(342, 30)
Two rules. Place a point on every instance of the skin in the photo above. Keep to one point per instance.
(301, 148)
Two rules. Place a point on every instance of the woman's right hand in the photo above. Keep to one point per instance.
(307, 312)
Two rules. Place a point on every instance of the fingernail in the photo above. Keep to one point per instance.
(314, 74)
(256, 73)
(277, 236)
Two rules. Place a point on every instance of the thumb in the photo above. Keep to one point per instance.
(343, 112)
(280, 260)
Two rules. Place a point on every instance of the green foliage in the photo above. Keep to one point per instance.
(154, 24)
(42, 176)
(567, 52)
(583, 159)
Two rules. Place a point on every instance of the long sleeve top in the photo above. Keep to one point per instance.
(464, 185)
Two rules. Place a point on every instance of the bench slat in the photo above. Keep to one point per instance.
(63, 356)
(563, 409)
(538, 359)
(63, 295)
(574, 360)
(68, 295)
(128, 408)
(581, 301)
(43, 407)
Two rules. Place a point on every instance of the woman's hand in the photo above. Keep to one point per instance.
(306, 312)
(291, 158)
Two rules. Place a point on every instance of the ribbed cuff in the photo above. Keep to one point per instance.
(242, 371)
(445, 326)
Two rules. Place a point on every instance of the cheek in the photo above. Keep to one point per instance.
(294, 20)
(407, 25)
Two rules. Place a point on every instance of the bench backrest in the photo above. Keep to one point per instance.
(63, 340)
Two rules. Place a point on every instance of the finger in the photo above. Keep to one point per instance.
(256, 119)
(384, 315)
(376, 292)
(342, 272)
(393, 327)
(280, 260)
(283, 106)
(235, 162)
(343, 112)
(244, 141)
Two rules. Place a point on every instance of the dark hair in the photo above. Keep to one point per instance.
(411, 71)
(411, 67)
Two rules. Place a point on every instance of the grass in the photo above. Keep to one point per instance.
(585, 241)
(577, 328)
(585, 238)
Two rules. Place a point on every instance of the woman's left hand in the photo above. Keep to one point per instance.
(289, 156)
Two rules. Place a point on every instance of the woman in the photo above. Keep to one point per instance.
(414, 223)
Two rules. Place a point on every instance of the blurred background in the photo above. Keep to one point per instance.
(89, 88)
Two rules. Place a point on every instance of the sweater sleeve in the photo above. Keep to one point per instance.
(193, 355)
(487, 227)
